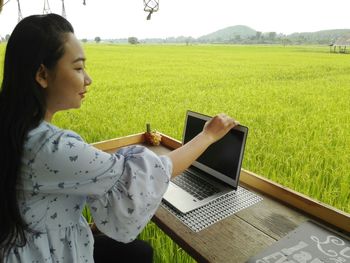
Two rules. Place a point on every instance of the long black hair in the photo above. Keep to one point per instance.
(36, 40)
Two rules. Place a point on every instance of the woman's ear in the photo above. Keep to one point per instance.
(41, 76)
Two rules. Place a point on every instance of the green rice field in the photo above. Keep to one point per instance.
(294, 99)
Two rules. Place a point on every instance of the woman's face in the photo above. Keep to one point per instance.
(67, 82)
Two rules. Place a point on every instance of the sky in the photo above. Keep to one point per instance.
(112, 19)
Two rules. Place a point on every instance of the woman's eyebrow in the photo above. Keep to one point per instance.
(79, 59)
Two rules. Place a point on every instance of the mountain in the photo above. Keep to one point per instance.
(228, 34)
(325, 36)
(245, 35)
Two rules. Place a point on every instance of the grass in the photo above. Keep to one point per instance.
(295, 101)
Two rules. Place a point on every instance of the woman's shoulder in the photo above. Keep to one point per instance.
(47, 133)
(49, 129)
(44, 127)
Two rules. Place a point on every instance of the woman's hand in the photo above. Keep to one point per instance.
(218, 126)
(213, 130)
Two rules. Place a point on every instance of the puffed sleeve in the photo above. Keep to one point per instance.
(129, 205)
(123, 189)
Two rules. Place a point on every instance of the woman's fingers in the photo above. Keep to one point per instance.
(227, 120)
(219, 125)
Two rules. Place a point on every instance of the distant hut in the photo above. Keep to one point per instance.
(341, 43)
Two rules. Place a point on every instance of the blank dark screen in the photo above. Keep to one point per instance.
(223, 155)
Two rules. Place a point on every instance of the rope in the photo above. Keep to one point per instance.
(20, 17)
(45, 10)
(149, 15)
(63, 10)
(149, 8)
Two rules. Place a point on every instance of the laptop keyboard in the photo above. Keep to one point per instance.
(194, 185)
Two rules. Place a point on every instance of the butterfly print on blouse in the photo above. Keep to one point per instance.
(77, 207)
(55, 144)
(104, 222)
(54, 216)
(130, 211)
(73, 158)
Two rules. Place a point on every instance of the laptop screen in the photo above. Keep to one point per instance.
(222, 159)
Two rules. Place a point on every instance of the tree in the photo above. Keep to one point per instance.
(133, 40)
(272, 35)
(237, 38)
(7, 37)
(286, 41)
(84, 40)
(97, 39)
(258, 34)
(189, 40)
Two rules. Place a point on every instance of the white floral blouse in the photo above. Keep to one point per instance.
(61, 173)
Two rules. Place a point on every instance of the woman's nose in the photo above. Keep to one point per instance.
(88, 80)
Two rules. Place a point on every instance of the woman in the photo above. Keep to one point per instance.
(49, 174)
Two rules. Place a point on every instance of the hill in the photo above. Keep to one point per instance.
(228, 34)
(246, 35)
(323, 36)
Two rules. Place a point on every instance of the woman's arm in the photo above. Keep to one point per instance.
(213, 130)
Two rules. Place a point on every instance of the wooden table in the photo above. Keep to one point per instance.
(247, 232)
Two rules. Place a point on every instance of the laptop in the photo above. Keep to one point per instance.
(215, 173)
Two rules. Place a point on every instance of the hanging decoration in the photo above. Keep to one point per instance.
(46, 9)
(84, 2)
(20, 17)
(63, 10)
(151, 6)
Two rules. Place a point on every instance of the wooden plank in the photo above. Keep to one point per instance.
(319, 210)
(271, 217)
(229, 240)
(177, 232)
(169, 142)
(113, 144)
(139, 138)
